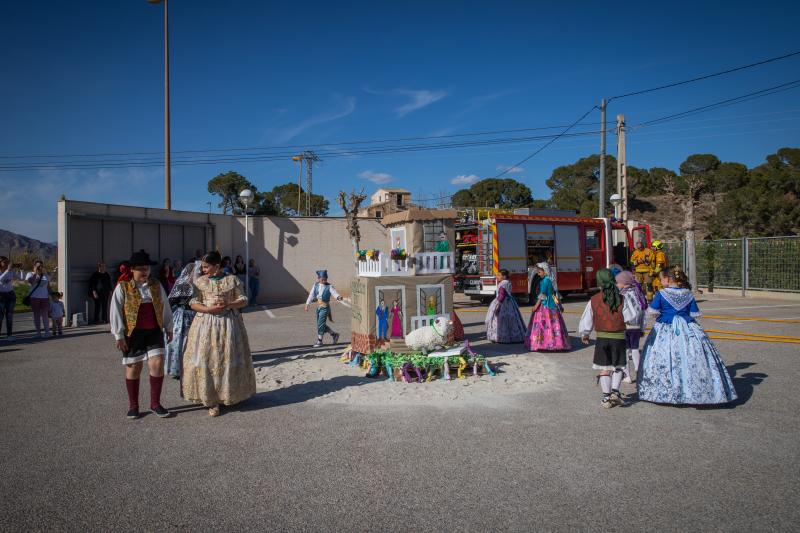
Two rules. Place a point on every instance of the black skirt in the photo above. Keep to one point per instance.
(610, 354)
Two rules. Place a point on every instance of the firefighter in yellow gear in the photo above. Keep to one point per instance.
(643, 261)
(661, 263)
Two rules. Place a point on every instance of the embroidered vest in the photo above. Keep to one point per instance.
(133, 299)
(324, 295)
(604, 319)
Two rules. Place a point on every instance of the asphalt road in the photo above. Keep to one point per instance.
(553, 461)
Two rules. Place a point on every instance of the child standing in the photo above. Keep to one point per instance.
(633, 308)
(603, 314)
(503, 320)
(680, 364)
(321, 293)
(57, 313)
(546, 327)
(140, 317)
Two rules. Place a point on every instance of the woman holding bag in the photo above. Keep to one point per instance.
(39, 298)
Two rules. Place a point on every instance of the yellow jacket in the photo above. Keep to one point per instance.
(661, 262)
(643, 260)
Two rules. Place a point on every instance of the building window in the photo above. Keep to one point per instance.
(399, 199)
(378, 214)
(430, 231)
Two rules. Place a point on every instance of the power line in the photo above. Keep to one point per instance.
(293, 147)
(707, 76)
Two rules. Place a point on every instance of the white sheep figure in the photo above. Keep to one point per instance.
(429, 338)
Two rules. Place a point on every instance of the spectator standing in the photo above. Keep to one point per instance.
(100, 291)
(39, 295)
(8, 299)
(227, 265)
(166, 275)
(239, 269)
(255, 281)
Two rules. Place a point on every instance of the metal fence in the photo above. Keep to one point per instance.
(761, 263)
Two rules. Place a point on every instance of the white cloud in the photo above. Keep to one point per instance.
(417, 99)
(464, 179)
(510, 170)
(378, 178)
(343, 107)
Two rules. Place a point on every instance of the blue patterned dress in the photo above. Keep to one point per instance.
(680, 364)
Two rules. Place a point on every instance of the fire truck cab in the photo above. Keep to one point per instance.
(576, 248)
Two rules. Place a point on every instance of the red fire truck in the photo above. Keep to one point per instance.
(576, 248)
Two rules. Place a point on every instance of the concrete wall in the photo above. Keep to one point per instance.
(288, 250)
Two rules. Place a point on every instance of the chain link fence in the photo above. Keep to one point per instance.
(761, 263)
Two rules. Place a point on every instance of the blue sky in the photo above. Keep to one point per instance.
(87, 78)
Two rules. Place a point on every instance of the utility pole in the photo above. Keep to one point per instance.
(309, 157)
(299, 182)
(601, 191)
(622, 168)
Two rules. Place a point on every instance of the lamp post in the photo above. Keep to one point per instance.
(616, 201)
(167, 184)
(246, 198)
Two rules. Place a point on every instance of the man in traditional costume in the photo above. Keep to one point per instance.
(321, 293)
(140, 318)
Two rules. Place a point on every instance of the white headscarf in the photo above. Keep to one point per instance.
(548, 271)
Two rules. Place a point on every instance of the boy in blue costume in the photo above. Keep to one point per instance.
(321, 293)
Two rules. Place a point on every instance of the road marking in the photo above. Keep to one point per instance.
(751, 307)
(758, 335)
(752, 340)
(269, 313)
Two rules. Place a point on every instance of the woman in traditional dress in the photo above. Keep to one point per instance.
(217, 364)
(680, 365)
(546, 327)
(182, 317)
(397, 320)
(504, 322)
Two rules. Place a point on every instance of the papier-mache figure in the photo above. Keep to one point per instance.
(397, 320)
(382, 312)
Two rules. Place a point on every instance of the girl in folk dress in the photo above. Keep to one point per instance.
(634, 305)
(217, 363)
(504, 322)
(397, 320)
(546, 328)
(182, 317)
(680, 364)
(604, 314)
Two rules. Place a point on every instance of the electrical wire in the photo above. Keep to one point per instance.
(707, 76)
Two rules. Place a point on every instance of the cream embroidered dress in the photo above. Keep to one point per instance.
(217, 364)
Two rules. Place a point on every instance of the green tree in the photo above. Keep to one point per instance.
(227, 186)
(575, 186)
(282, 201)
(506, 193)
(703, 167)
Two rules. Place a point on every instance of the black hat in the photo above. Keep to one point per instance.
(141, 258)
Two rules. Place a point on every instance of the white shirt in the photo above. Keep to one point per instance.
(43, 290)
(311, 297)
(586, 325)
(117, 315)
(6, 279)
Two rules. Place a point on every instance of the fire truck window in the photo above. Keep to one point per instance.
(592, 239)
(540, 250)
(639, 235)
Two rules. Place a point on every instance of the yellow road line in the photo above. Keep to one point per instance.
(760, 335)
(752, 319)
(752, 340)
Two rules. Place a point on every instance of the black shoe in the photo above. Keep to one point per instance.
(133, 414)
(160, 412)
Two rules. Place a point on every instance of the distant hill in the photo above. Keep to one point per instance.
(665, 217)
(15, 244)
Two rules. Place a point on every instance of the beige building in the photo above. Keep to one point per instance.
(385, 202)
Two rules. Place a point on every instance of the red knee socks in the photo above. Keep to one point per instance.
(155, 391)
(133, 393)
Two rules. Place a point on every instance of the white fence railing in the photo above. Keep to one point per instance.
(384, 266)
(424, 320)
(435, 263)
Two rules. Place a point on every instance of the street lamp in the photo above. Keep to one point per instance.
(246, 198)
(616, 201)
(167, 184)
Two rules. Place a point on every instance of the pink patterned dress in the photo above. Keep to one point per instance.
(546, 329)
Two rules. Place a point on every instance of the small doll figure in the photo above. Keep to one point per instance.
(382, 312)
(443, 245)
(397, 320)
(431, 307)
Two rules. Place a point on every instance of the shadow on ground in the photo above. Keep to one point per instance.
(301, 392)
(743, 384)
